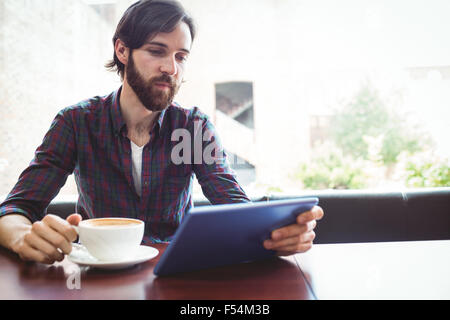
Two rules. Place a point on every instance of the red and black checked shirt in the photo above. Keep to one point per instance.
(90, 140)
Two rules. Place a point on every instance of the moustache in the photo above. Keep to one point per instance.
(164, 79)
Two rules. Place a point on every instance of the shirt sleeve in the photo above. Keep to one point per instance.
(214, 174)
(41, 181)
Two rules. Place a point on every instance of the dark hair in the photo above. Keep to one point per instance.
(145, 19)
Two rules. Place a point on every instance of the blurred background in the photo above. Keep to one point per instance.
(323, 94)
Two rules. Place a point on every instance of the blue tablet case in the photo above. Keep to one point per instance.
(218, 235)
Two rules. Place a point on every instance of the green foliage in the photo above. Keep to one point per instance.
(331, 169)
(428, 173)
(366, 115)
(363, 116)
(367, 143)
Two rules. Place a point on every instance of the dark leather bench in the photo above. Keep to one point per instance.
(363, 216)
(352, 216)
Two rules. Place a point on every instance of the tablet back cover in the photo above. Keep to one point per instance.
(218, 235)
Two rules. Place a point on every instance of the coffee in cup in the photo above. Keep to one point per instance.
(111, 239)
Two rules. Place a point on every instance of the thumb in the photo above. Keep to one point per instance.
(74, 219)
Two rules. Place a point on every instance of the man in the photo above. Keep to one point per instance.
(120, 149)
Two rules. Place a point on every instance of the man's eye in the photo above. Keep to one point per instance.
(182, 58)
(156, 52)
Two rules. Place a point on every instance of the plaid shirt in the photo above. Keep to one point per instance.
(90, 140)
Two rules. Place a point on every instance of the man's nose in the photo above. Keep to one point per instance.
(169, 66)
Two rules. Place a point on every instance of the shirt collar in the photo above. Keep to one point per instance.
(117, 118)
(161, 118)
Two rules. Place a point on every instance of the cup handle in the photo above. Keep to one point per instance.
(76, 244)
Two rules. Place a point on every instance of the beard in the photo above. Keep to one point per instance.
(151, 97)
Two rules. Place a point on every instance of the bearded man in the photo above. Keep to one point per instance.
(119, 148)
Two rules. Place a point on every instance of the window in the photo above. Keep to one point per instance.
(235, 122)
(324, 94)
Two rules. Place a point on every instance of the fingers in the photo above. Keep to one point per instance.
(293, 230)
(294, 240)
(298, 237)
(48, 233)
(31, 254)
(74, 219)
(296, 243)
(43, 250)
(300, 248)
(48, 240)
(62, 226)
(316, 213)
(28, 253)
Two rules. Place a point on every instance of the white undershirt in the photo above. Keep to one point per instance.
(136, 166)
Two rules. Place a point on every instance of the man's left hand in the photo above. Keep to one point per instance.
(298, 237)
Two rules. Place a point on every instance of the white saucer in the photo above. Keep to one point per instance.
(81, 256)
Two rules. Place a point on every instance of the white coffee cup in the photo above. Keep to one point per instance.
(111, 239)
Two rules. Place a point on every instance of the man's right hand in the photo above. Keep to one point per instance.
(48, 240)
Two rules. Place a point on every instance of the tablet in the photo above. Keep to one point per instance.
(218, 235)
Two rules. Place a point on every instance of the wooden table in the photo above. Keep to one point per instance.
(383, 270)
(273, 279)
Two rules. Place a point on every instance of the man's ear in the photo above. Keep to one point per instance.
(122, 51)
